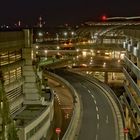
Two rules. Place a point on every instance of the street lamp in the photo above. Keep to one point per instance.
(57, 37)
(46, 51)
(65, 35)
(36, 47)
(104, 64)
(58, 47)
(40, 34)
(72, 33)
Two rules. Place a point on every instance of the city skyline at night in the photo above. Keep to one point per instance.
(61, 12)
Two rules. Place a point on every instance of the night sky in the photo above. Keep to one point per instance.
(57, 12)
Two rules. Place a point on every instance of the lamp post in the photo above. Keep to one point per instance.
(65, 36)
(46, 54)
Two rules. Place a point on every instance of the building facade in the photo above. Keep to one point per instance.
(29, 107)
(131, 96)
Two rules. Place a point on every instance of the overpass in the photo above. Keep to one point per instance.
(126, 36)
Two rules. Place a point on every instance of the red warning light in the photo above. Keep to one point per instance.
(104, 18)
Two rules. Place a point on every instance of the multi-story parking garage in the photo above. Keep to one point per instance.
(29, 107)
(23, 103)
(124, 35)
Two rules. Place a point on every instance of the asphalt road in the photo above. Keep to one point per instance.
(98, 122)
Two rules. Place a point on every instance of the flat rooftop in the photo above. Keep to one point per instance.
(29, 114)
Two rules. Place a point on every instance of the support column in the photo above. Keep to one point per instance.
(127, 117)
(31, 87)
(138, 80)
(106, 77)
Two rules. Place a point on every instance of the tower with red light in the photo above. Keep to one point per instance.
(104, 18)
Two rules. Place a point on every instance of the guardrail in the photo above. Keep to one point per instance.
(73, 128)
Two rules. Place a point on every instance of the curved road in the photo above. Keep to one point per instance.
(98, 121)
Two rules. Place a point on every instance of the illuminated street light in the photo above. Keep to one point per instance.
(87, 72)
(45, 54)
(65, 34)
(84, 53)
(57, 37)
(40, 34)
(77, 50)
(119, 61)
(104, 65)
(72, 33)
(45, 51)
(58, 47)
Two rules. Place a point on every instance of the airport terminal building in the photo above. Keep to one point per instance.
(21, 95)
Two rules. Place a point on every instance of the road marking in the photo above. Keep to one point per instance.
(95, 101)
(107, 121)
(98, 125)
(97, 109)
(96, 137)
(89, 91)
(58, 99)
(92, 96)
(98, 116)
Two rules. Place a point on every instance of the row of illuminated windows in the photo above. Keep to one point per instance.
(35, 129)
(13, 94)
(10, 57)
(12, 75)
(16, 109)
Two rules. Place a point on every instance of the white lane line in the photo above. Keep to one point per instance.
(92, 96)
(98, 125)
(98, 116)
(107, 121)
(96, 137)
(89, 91)
(95, 101)
(97, 109)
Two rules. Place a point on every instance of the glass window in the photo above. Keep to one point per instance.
(4, 58)
(12, 57)
(12, 75)
(19, 72)
(6, 78)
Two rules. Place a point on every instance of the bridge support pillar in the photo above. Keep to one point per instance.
(127, 117)
(106, 77)
(138, 80)
(138, 58)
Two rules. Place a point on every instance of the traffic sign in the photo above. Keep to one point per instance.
(58, 130)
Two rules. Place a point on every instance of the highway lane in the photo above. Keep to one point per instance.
(98, 122)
